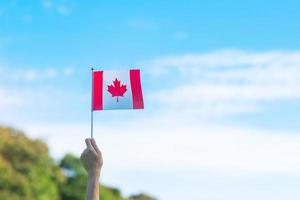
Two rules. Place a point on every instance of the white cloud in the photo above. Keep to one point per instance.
(181, 148)
(68, 71)
(196, 64)
(23, 90)
(30, 74)
(14, 98)
(34, 74)
(228, 81)
(50, 73)
(10, 99)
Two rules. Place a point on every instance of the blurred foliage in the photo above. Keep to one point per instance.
(27, 172)
(140, 197)
(26, 169)
(75, 184)
(76, 181)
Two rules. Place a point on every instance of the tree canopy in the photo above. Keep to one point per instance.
(26, 169)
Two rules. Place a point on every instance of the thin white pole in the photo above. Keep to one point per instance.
(92, 97)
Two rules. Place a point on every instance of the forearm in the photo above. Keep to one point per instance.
(92, 192)
(92, 161)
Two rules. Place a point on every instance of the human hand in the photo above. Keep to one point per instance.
(91, 157)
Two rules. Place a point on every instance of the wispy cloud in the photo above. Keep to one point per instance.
(34, 74)
(31, 89)
(68, 71)
(228, 81)
(10, 99)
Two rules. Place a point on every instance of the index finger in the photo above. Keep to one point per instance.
(94, 144)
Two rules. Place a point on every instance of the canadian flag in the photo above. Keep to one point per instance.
(117, 89)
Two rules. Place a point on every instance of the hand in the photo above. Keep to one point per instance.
(92, 157)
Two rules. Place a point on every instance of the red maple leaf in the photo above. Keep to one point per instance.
(117, 90)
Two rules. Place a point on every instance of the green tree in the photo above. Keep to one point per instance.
(141, 197)
(75, 184)
(74, 187)
(26, 169)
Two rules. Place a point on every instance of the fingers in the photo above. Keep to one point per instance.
(89, 144)
(93, 142)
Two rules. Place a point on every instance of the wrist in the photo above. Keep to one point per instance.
(95, 174)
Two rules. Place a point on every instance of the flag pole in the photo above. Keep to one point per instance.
(92, 69)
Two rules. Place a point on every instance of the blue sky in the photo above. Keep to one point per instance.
(221, 83)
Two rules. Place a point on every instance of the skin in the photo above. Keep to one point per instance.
(92, 160)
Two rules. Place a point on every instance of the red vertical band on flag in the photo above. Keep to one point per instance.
(97, 97)
(136, 88)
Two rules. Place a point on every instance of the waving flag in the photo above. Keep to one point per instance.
(117, 89)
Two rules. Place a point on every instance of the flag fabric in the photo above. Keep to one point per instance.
(117, 89)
